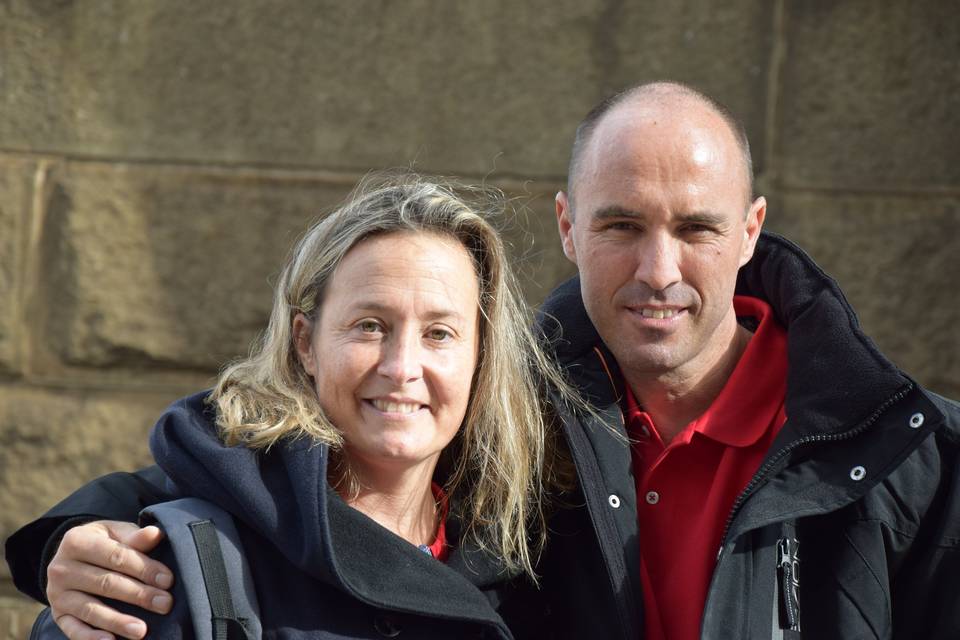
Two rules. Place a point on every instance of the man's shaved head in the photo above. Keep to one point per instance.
(664, 96)
(660, 219)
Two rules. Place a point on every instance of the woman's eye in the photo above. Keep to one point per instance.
(439, 335)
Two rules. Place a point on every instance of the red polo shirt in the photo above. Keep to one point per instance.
(685, 490)
(439, 548)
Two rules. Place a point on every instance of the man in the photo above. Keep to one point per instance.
(755, 450)
(755, 467)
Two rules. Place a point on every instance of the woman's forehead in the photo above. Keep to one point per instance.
(434, 271)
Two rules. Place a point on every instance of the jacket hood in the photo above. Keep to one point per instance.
(280, 495)
(284, 497)
(825, 341)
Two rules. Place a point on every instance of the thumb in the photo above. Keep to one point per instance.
(143, 539)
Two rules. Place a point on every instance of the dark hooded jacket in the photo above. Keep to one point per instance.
(321, 569)
(863, 476)
(863, 480)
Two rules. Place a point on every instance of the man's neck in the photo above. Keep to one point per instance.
(676, 399)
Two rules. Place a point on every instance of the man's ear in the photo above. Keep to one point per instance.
(303, 342)
(565, 224)
(752, 227)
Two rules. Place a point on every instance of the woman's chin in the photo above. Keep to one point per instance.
(392, 455)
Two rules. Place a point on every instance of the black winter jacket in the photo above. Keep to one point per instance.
(862, 483)
(321, 568)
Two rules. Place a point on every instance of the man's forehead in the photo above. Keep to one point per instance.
(639, 144)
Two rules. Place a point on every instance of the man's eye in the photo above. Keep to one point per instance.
(369, 326)
(621, 226)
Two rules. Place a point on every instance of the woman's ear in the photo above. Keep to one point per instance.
(303, 342)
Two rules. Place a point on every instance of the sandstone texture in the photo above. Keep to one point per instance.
(871, 93)
(361, 84)
(15, 197)
(149, 267)
(897, 260)
(52, 441)
(153, 268)
(530, 231)
(16, 617)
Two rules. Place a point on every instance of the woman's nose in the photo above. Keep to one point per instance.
(401, 359)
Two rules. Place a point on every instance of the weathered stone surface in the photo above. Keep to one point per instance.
(464, 88)
(171, 268)
(897, 260)
(534, 243)
(872, 94)
(166, 267)
(51, 441)
(15, 196)
(17, 614)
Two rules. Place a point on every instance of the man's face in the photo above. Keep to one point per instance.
(659, 228)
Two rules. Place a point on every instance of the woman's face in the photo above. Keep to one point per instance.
(394, 348)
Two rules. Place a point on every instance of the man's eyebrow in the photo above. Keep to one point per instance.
(709, 218)
(615, 211)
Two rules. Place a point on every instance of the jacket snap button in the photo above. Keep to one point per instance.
(614, 500)
(916, 420)
(386, 627)
(653, 497)
(858, 473)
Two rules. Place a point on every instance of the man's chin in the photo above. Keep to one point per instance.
(652, 360)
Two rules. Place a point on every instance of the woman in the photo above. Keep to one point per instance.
(385, 448)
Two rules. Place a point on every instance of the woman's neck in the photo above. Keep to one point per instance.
(400, 501)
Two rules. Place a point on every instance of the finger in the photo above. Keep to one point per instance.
(75, 576)
(85, 547)
(144, 540)
(77, 630)
(97, 615)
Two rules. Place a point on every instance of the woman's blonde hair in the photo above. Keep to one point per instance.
(505, 452)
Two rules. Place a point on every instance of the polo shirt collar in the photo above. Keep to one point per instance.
(754, 393)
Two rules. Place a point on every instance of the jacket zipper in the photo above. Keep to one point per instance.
(759, 476)
(788, 560)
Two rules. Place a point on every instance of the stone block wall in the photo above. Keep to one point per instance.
(157, 159)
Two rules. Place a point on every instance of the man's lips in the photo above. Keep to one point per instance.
(658, 312)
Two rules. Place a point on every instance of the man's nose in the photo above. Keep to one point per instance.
(658, 262)
(400, 360)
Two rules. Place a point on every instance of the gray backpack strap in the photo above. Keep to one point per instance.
(211, 567)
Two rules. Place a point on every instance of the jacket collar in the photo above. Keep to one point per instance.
(382, 569)
(837, 376)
